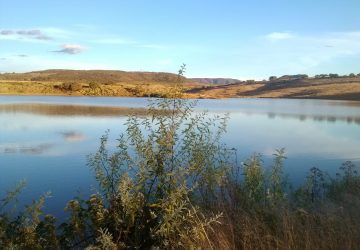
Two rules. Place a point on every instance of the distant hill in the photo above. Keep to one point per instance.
(216, 80)
(92, 83)
(95, 76)
(339, 88)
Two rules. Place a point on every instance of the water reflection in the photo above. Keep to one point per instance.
(316, 117)
(68, 110)
(73, 136)
(26, 149)
(46, 139)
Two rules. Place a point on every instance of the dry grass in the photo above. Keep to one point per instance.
(91, 82)
(292, 230)
(8, 87)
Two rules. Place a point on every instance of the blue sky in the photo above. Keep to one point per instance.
(229, 38)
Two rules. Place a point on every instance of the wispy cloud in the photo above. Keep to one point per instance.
(303, 53)
(22, 55)
(71, 49)
(58, 33)
(113, 41)
(151, 46)
(129, 42)
(35, 34)
(276, 36)
(165, 62)
(6, 32)
(36, 62)
(72, 136)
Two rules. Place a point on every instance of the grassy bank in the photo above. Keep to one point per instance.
(171, 183)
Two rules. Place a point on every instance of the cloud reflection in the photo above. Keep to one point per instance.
(72, 136)
(25, 149)
(319, 118)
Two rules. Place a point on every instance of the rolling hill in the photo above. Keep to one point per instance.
(340, 88)
(86, 76)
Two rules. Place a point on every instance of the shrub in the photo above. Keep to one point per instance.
(71, 86)
(94, 85)
(161, 163)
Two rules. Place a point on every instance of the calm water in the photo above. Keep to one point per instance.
(45, 140)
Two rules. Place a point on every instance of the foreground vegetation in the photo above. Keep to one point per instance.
(172, 184)
(145, 84)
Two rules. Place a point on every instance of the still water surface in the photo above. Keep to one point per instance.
(45, 140)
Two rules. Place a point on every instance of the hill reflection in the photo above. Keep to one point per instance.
(69, 110)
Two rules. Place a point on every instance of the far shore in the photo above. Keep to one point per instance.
(330, 98)
(345, 88)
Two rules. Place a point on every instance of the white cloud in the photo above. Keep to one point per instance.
(71, 49)
(276, 36)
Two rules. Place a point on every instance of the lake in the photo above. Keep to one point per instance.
(46, 140)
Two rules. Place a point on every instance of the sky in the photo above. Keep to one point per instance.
(243, 39)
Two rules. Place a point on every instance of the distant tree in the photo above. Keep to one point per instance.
(321, 76)
(250, 81)
(351, 75)
(333, 75)
(302, 76)
(272, 78)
